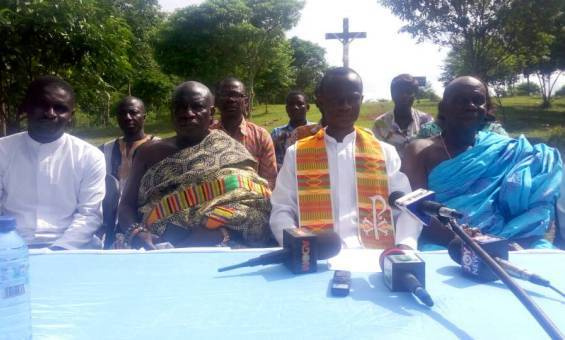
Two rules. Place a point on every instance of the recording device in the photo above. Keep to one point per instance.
(471, 263)
(301, 250)
(498, 249)
(341, 283)
(421, 205)
(404, 271)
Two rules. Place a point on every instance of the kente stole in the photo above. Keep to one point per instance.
(193, 195)
(375, 229)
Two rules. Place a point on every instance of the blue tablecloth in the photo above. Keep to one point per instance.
(180, 295)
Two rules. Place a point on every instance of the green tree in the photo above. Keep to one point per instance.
(100, 46)
(483, 35)
(274, 82)
(309, 64)
(527, 89)
(227, 37)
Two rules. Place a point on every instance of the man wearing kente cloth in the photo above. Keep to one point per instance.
(505, 186)
(340, 178)
(198, 188)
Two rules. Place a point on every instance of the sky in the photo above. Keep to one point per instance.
(385, 52)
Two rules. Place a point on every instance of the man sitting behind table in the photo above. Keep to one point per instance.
(340, 178)
(198, 188)
(505, 186)
(52, 182)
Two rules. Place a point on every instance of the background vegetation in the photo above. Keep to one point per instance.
(111, 48)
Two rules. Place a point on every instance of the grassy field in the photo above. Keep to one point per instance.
(519, 115)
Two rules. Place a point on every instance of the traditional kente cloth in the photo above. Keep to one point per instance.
(376, 228)
(212, 184)
(505, 186)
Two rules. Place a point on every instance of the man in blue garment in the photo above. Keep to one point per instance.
(504, 186)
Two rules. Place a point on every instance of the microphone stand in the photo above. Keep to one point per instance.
(530, 305)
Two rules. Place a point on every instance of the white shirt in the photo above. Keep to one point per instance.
(341, 165)
(54, 190)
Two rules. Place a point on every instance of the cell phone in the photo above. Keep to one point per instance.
(341, 283)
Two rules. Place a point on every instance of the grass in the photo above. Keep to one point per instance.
(519, 115)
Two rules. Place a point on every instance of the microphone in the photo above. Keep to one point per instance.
(301, 251)
(404, 271)
(498, 249)
(421, 205)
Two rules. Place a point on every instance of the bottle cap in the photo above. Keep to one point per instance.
(7, 223)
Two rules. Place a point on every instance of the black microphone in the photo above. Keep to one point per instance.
(421, 205)
(301, 251)
(404, 271)
(498, 249)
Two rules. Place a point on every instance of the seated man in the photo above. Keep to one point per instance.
(119, 152)
(504, 186)
(399, 126)
(198, 188)
(340, 178)
(296, 108)
(51, 182)
(233, 104)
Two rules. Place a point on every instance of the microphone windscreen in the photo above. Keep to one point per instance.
(454, 249)
(393, 197)
(389, 251)
(329, 244)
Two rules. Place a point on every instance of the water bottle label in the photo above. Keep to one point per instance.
(13, 291)
(13, 278)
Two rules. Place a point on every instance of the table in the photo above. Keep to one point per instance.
(179, 294)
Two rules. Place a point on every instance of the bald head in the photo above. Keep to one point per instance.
(191, 88)
(341, 95)
(459, 83)
(128, 101)
(463, 108)
(193, 106)
(338, 76)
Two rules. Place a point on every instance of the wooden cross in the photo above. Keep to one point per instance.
(345, 38)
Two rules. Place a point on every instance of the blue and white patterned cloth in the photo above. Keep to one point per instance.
(506, 187)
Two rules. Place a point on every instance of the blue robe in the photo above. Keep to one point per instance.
(504, 186)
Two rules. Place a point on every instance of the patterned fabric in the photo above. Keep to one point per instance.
(259, 144)
(280, 135)
(211, 184)
(387, 130)
(302, 132)
(202, 193)
(504, 186)
(432, 129)
(376, 228)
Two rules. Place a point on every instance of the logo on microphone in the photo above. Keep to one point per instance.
(305, 255)
(469, 261)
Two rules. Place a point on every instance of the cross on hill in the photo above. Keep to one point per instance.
(346, 38)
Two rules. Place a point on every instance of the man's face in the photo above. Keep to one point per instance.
(192, 114)
(341, 101)
(231, 99)
(48, 113)
(131, 117)
(403, 95)
(465, 107)
(296, 108)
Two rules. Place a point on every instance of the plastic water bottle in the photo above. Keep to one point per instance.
(15, 311)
